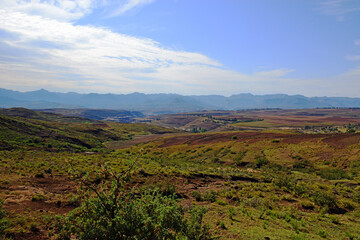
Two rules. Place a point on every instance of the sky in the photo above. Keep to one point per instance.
(189, 47)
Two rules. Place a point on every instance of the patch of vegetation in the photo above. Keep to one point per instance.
(261, 161)
(3, 221)
(118, 213)
(333, 174)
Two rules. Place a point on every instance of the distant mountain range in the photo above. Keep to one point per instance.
(152, 104)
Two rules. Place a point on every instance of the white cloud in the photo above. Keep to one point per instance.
(89, 52)
(69, 10)
(62, 10)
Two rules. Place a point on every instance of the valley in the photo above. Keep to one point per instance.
(261, 174)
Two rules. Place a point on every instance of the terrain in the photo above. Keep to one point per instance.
(306, 120)
(155, 104)
(262, 174)
(98, 114)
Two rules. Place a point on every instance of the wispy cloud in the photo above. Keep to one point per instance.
(62, 10)
(70, 10)
(128, 5)
(340, 8)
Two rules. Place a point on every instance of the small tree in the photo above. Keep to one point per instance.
(110, 210)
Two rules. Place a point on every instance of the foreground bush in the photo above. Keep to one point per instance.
(111, 211)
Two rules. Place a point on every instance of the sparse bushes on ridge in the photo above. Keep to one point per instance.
(333, 174)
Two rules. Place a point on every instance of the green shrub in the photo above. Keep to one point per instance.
(231, 213)
(194, 229)
(301, 189)
(210, 196)
(116, 212)
(301, 164)
(285, 182)
(197, 195)
(325, 199)
(333, 174)
(261, 161)
(322, 234)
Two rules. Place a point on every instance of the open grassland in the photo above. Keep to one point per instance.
(273, 184)
(311, 120)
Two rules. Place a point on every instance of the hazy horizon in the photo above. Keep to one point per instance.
(309, 48)
(171, 93)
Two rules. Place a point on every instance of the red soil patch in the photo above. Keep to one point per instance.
(339, 140)
(342, 140)
(197, 139)
(29, 187)
(40, 206)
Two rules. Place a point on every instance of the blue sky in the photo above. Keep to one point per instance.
(188, 47)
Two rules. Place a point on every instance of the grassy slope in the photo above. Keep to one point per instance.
(62, 133)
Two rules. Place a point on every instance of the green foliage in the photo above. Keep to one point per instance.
(231, 212)
(210, 196)
(261, 161)
(350, 130)
(302, 164)
(322, 234)
(285, 182)
(197, 195)
(194, 228)
(301, 189)
(333, 174)
(326, 200)
(115, 212)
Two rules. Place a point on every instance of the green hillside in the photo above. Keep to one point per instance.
(23, 128)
